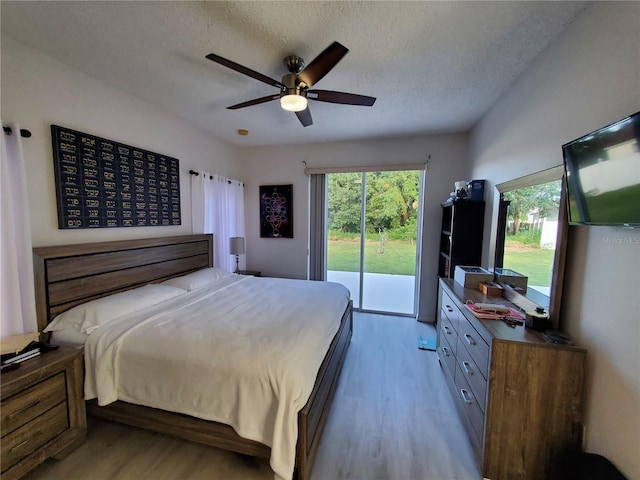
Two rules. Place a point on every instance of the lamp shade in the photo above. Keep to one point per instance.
(236, 245)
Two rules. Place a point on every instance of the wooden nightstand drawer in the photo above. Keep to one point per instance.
(43, 411)
(20, 409)
(25, 440)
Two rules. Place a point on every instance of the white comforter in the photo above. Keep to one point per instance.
(244, 352)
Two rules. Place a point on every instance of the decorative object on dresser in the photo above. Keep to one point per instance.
(518, 395)
(236, 247)
(460, 236)
(43, 411)
(102, 183)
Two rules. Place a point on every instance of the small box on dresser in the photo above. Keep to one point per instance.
(43, 411)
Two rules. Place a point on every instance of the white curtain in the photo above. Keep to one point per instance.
(17, 298)
(217, 206)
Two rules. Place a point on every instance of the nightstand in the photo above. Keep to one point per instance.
(42, 409)
(249, 272)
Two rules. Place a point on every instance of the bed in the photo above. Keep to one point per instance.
(68, 276)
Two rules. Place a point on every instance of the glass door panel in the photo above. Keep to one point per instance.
(344, 203)
(391, 226)
(371, 244)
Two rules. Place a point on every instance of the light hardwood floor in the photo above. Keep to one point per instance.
(392, 419)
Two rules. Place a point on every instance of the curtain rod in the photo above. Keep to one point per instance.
(365, 168)
(23, 132)
(193, 172)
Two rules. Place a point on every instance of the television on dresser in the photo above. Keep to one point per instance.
(602, 172)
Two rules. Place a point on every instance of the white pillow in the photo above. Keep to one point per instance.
(86, 317)
(199, 279)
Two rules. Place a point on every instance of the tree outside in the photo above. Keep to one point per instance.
(530, 209)
(390, 222)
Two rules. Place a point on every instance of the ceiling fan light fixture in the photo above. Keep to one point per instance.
(293, 102)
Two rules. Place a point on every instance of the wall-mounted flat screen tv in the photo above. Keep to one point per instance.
(603, 175)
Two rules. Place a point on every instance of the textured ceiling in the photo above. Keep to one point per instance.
(434, 67)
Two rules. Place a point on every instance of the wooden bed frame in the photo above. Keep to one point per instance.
(68, 275)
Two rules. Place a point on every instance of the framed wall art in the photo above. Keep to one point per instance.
(276, 211)
(102, 183)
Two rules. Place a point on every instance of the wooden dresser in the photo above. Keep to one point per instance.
(519, 396)
(43, 410)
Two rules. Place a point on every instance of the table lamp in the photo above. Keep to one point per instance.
(236, 247)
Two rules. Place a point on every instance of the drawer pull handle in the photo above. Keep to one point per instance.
(20, 445)
(470, 339)
(449, 309)
(26, 407)
(446, 351)
(447, 330)
(467, 368)
(466, 396)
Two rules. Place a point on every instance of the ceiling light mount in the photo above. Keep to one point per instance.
(294, 63)
(293, 97)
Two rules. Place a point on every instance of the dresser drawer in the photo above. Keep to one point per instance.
(449, 310)
(28, 438)
(472, 374)
(446, 354)
(447, 330)
(32, 402)
(475, 345)
(471, 408)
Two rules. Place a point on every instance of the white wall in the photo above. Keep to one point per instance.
(283, 165)
(587, 79)
(38, 91)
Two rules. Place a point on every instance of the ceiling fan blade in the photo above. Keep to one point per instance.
(255, 101)
(322, 64)
(305, 117)
(340, 97)
(244, 70)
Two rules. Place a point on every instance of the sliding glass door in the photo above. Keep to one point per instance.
(372, 232)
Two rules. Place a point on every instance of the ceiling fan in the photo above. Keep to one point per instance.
(294, 87)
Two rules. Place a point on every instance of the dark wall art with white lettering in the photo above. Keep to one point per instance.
(102, 183)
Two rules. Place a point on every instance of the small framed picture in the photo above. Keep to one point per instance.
(276, 211)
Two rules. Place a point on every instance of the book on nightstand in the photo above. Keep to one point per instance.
(33, 349)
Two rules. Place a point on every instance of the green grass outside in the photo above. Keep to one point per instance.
(535, 263)
(399, 257)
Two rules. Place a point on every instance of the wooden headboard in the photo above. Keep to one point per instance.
(68, 275)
